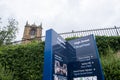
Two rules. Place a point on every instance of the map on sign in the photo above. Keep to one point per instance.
(77, 59)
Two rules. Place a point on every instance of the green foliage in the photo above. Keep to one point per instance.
(8, 32)
(104, 42)
(70, 38)
(5, 74)
(111, 65)
(25, 61)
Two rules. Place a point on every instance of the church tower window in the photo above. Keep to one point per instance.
(33, 33)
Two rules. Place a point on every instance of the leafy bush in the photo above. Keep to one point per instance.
(25, 61)
(5, 74)
(70, 38)
(104, 42)
(111, 65)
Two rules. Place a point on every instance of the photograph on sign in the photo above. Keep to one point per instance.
(60, 69)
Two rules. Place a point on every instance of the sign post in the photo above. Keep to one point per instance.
(76, 59)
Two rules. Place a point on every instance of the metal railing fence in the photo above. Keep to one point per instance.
(115, 31)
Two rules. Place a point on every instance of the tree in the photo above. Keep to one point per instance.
(8, 32)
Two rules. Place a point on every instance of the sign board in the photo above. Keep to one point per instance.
(76, 59)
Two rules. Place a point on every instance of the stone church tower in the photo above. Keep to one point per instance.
(32, 32)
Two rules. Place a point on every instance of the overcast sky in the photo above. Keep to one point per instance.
(62, 15)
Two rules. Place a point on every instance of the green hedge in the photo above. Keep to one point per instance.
(5, 75)
(25, 61)
(111, 65)
(104, 42)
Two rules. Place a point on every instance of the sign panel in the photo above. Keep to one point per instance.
(55, 62)
(77, 59)
(87, 65)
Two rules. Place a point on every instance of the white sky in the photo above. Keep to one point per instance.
(62, 15)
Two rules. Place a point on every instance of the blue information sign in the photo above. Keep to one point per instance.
(77, 59)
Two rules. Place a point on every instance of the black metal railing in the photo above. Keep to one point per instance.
(115, 31)
(97, 32)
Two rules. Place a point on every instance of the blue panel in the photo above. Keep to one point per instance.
(87, 64)
(47, 75)
(77, 59)
(59, 57)
(97, 53)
